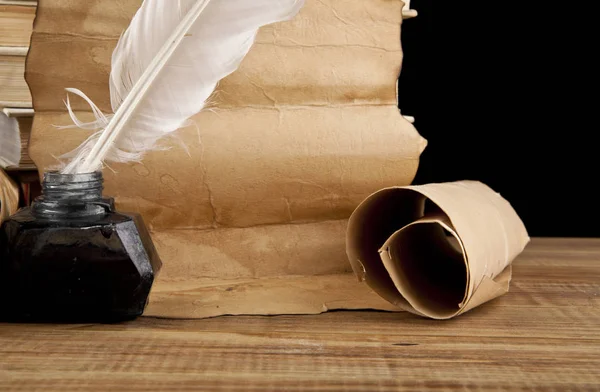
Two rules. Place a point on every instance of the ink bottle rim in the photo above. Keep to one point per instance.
(71, 196)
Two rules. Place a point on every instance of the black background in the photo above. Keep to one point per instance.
(501, 96)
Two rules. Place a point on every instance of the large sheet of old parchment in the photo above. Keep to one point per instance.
(250, 218)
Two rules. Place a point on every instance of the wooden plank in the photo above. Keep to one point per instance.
(543, 335)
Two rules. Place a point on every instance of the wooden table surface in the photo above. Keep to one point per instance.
(543, 335)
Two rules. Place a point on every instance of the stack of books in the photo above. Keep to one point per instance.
(16, 23)
(16, 109)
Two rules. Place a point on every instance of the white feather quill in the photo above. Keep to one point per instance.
(165, 67)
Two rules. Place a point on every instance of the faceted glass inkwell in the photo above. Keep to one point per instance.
(71, 257)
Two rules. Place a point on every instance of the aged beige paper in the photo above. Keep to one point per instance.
(259, 199)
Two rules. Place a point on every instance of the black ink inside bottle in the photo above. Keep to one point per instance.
(71, 257)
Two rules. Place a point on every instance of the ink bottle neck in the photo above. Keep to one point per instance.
(71, 196)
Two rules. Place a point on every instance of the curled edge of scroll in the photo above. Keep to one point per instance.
(407, 12)
(436, 250)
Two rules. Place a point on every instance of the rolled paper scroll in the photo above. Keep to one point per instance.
(436, 250)
(9, 196)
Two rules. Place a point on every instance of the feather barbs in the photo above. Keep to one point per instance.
(164, 68)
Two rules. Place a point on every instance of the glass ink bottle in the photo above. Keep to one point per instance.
(71, 257)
